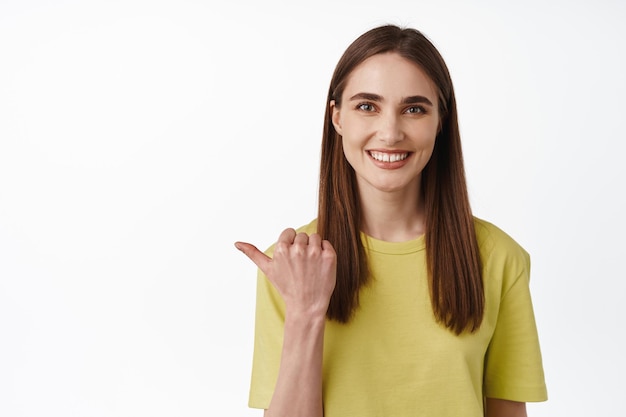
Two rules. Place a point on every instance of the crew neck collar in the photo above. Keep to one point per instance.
(393, 248)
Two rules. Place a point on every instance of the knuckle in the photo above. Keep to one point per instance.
(281, 247)
(299, 250)
(315, 251)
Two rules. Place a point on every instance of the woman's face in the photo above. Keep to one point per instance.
(388, 121)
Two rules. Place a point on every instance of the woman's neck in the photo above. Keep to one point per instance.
(392, 216)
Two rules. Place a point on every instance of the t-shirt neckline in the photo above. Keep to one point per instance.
(393, 248)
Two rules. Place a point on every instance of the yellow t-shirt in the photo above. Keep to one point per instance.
(394, 360)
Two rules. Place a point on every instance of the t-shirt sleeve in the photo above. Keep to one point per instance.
(268, 341)
(513, 364)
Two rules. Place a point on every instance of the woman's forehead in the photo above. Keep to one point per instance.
(390, 76)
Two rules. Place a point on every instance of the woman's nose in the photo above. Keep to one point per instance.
(390, 129)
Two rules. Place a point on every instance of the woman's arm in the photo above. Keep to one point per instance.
(298, 389)
(303, 270)
(495, 407)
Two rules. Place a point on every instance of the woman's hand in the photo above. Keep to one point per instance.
(303, 270)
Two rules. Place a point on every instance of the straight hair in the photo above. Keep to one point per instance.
(452, 255)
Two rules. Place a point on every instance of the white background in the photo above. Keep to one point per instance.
(139, 140)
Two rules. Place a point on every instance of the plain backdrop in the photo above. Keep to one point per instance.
(140, 139)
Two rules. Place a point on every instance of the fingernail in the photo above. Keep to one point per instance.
(237, 245)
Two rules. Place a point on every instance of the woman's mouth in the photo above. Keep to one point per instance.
(388, 156)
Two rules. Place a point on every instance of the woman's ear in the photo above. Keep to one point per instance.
(336, 116)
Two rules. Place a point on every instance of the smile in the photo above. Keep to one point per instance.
(388, 157)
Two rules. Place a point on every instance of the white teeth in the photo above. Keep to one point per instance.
(388, 157)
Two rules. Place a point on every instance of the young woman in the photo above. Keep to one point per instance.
(395, 301)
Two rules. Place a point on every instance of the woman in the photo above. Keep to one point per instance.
(395, 301)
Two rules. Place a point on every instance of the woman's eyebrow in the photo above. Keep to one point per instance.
(378, 98)
(367, 96)
(416, 99)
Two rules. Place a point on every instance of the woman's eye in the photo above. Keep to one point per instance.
(416, 110)
(365, 107)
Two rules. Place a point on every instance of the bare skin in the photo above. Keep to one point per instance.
(495, 407)
(303, 270)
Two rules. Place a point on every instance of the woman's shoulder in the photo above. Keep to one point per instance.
(495, 242)
(308, 228)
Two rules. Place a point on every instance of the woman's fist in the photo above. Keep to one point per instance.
(303, 270)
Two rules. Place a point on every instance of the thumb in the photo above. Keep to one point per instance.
(259, 258)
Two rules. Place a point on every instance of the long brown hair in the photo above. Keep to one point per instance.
(454, 267)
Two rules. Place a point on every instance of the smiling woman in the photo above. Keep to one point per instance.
(391, 126)
(395, 301)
